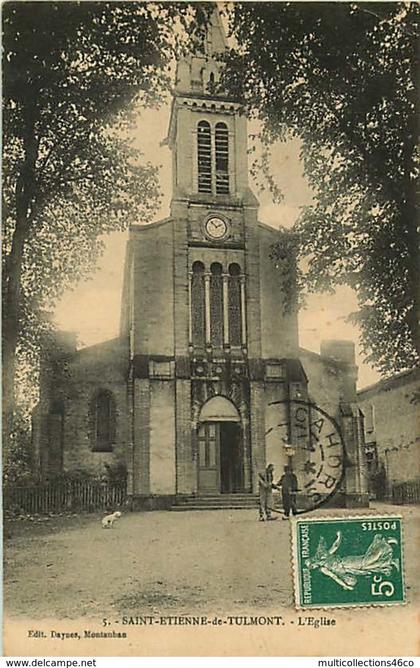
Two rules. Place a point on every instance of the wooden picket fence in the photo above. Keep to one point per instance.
(406, 492)
(65, 496)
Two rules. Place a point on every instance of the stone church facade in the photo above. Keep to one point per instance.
(184, 398)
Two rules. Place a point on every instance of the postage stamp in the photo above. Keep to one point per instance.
(348, 561)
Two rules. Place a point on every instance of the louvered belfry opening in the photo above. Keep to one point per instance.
(204, 157)
(222, 159)
(213, 158)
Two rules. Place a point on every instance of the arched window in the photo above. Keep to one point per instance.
(55, 436)
(216, 305)
(198, 314)
(103, 421)
(204, 157)
(57, 407)
(235, 316)
(222, 159)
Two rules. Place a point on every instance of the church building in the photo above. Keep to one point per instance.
(202, 387)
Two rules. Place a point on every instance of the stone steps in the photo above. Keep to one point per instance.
(216, 502)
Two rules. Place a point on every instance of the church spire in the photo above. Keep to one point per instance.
(198, 71)
(215, 38)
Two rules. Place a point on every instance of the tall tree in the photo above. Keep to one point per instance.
(341, 77)
(71, 73)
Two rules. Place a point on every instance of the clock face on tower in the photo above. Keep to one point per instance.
(216, 228)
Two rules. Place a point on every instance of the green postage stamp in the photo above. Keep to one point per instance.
(348, 561)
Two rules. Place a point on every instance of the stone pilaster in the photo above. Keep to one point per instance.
(186, 465)
(257, 428)
(141, 455)
(356, 481)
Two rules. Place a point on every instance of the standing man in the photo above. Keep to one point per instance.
(265, 488)
(289, 487)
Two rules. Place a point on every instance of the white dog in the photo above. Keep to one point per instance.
(109, 520)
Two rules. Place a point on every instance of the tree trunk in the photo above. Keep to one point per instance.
(409, 218)
(24, 202)
(10, 336)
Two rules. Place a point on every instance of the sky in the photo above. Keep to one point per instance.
(92, 308)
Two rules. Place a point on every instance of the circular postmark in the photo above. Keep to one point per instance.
(304, 437)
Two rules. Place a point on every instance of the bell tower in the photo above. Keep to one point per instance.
(207, 133)
(213, 209)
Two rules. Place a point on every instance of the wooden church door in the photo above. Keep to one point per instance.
(208, 458)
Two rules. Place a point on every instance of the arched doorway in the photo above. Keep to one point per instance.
(220, 448)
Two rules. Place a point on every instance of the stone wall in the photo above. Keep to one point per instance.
(395, 427)
(153, 289)
(73, 381)
(162, 437)
(329, 381)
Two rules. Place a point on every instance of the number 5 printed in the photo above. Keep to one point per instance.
(385, 587)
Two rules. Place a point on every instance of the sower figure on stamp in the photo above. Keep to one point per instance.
(265, 488)
(289, 487)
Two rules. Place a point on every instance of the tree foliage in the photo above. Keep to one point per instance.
(19, 465)
(73, 73)
(341, 78)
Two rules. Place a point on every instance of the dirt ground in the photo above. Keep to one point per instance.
(160, 563)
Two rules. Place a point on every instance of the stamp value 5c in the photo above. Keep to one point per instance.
(348, 561)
